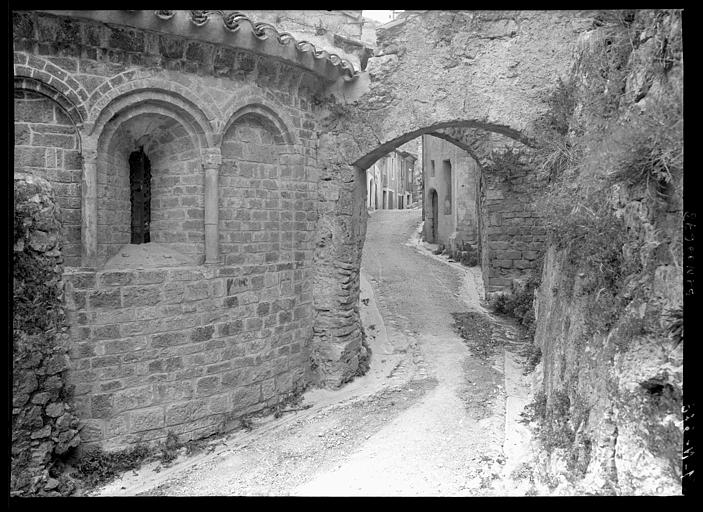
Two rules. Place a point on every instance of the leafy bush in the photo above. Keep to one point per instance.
(96, 467)
(519, 305)
(536, 410)
(533, 356)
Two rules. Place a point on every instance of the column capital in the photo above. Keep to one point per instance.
(212, 157)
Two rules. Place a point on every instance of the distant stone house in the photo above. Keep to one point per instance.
(389, 181)
(451, 180)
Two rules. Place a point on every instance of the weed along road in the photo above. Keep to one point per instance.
(428, 419)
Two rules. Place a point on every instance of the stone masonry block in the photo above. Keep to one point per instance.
(171, 391)
(133, 398)
(236, 377)
(246, 396)
(117, 426)
(173, 293)
(141, 296)
(197, 291)
(116, 316)
(253, 324)
(103, 361)
(219, 403)
(268, 389)
(125, 345)
(230, 328)
(509, 255)
(169, 339)
(105, 299)
(521, 264)
(206, 386)
(202, 333)
(149, 277)
(231, 302)
(101, 405)
(118, 278)
(185, 412)
(81, 280)
(106, 332)
(147, 419)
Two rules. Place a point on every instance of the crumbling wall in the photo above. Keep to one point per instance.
(512, 234)
(43, 422)
(336, 348)
(47, 145)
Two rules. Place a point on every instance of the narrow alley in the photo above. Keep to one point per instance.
(429, 418)
(349, 253)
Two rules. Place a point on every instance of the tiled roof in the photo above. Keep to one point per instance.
(233, 21)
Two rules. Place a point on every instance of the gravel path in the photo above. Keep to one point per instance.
(429, 419)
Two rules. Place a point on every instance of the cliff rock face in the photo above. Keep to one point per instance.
(609, 308)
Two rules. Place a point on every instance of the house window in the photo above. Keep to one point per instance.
(432, 168)
(140, 196)
(447, 178)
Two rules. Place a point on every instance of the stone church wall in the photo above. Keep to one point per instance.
(190, 346)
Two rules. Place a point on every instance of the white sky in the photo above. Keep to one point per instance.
(380, 16)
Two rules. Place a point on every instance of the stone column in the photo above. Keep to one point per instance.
(212, 159)
(89, 206)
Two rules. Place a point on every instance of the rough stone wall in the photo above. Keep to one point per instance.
(47, 145)
(483, 69)
(43, 424)
(337, 348)
(512, 235)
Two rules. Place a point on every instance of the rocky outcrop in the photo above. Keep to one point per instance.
(43, 425)
(609, 307)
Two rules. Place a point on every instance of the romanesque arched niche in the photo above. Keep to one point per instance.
(263, 189)
(47, 144)
(266, 223)
(169, 141)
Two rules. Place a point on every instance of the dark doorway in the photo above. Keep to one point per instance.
(434, 216)
(140, 196)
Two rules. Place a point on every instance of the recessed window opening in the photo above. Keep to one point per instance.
(140, 196)
(447, 178)
(432, 168)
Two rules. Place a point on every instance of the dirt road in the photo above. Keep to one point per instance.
(429, 419)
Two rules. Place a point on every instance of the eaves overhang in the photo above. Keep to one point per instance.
(230, 28)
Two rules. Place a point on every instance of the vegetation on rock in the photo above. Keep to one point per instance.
(611, 161)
